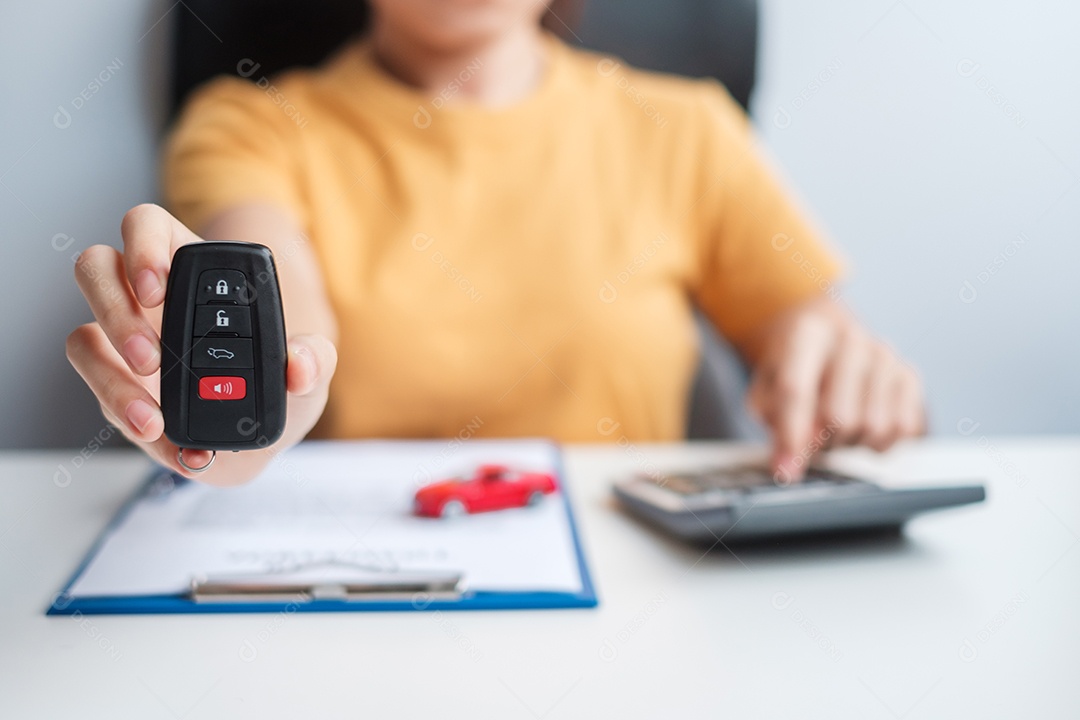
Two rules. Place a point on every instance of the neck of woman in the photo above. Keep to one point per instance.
(495, 71)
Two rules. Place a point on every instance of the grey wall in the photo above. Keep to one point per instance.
(938, 143)
(65, 188)
(885, 126)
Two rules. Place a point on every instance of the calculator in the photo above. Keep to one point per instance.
(746, 503)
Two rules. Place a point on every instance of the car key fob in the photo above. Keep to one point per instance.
(223, 349)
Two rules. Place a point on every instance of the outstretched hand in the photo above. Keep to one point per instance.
(119, 354)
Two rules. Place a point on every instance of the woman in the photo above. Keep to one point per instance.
(493, 231)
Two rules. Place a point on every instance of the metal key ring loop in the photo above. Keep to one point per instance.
(204, 468)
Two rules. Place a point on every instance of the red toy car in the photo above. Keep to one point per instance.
(492, 487)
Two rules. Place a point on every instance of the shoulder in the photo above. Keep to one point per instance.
(280, 102)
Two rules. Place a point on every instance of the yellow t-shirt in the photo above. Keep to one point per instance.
(521, 271)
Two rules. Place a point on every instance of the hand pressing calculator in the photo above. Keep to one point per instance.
(744, 502)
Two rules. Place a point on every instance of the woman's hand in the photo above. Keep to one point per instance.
(119, 355)
(820, 381)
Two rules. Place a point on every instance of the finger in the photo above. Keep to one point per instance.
(120, 393)
(99, 274)
(164, 452)
(311, 365)
(124, 401)
(845, 383)
(909, 401)
(757, 395)
(880, 424)
(795, 393)
(151, 236)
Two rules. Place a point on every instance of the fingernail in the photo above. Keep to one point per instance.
(140, 414)
(147, 286)
(140, 352)
(786, 467)
(303, 355)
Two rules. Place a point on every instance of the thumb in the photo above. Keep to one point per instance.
(312, 360)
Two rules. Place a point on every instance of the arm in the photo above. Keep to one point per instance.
(119, 354)
(818, 378)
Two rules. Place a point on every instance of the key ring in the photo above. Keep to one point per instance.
(204, 468)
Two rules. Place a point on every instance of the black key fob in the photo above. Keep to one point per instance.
(223, 348)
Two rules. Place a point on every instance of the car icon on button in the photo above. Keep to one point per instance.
(220, 354)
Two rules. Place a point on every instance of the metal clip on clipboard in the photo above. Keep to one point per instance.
(327, 581)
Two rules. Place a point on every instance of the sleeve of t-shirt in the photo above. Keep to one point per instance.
(232, 145)
(758, 253)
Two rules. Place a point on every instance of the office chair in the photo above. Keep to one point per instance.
(697, 38)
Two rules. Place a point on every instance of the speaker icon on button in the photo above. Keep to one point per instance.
(222, 388)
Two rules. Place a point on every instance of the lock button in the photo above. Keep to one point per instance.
(222, 319)
(224, 286)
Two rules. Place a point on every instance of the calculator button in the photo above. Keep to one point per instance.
(681, 484)
(735, 479)
(223, 319)
(817, 474)
(741, 477)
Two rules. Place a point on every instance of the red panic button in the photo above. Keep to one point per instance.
(222, 388)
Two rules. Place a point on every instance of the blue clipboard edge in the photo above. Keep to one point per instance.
(64, 604)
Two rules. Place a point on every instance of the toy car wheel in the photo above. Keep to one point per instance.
(534, 497)
(452, 508)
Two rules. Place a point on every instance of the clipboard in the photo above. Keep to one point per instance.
(337, 584)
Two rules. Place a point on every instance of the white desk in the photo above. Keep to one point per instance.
(974, 614)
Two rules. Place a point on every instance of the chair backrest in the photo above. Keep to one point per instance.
(697, 38)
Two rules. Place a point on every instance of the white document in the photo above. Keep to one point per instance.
(343, 503)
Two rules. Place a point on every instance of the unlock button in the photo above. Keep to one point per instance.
(224, 319)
